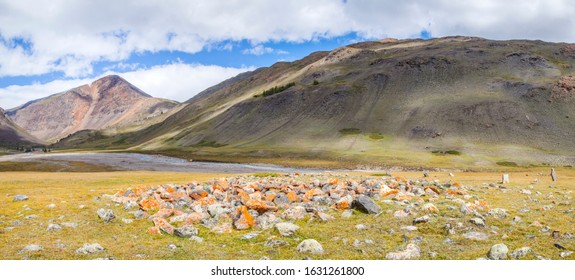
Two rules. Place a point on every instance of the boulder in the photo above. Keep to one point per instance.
(365, 204)
(310, 246)
(286, 229)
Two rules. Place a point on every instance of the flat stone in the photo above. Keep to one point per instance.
(286, 229)
(249, 236)
(127, 221)
(361, 227)
(422, 219)
(89, 249)
(52, 227)
(106, 214)
(498, 252)
(276, 243)
(565, 254)
(365, 204)
(346, 213)
(478, 222)
(31, 249)
(411, 252)
(475, 235)
(409, 228)
(310, 246)
(20, 197)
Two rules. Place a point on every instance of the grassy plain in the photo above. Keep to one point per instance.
(131, 241)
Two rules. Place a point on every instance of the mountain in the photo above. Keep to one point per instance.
(13, 135)
(457, 101)
(110, 103)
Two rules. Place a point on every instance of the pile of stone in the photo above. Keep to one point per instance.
(250, 202)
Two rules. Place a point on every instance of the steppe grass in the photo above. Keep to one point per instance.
(130, 241)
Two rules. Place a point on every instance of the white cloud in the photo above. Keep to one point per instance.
(175, 81)
(258, 50)
(70, 35)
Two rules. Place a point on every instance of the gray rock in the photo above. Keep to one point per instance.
(20, 197)
(365, 204)
(360, 227)
(449, 229)
(127, 221)
(250, 235)
(295, 213)
(410, 252)
(478, 222)
(498, 252)
(521, 252)
(172, 247)
(106, 214)
(422, 219)
(186, 231)
(275, 243)
(30, 217)
(216, 210)
(31, 248)
(130, 204)
(475, 235)
(89, 249)
(565, 254)
(286, 229)
(139, 214)
(498, 213)
(310, 246)
(52, 227)
(347, 213)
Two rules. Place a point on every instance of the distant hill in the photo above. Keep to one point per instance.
(462, 100)
(11, 135)
(109, 103)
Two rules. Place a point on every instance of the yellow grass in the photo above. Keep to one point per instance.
(70, 190)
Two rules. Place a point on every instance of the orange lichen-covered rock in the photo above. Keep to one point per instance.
(456, 184)
(256, 195)
(259, 206)
(155, 231)
(243, 219)
(193, 218)
(149, 203)
(222, 228)
(243, 195)
(207, 201)
(434, 189)
(270, 197)
(455, 192)
(164, 213)
(403, 197)
(164, 225)
(292, 196)
(198, 194)
(388, 191)
(170, 189)
(360, 189)
(313, 192)
(342, 204)
(333, 181)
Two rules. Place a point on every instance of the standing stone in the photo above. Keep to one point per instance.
(310, 246)
(505, 179)
(553, 175)
(498, 252)
(365, 204)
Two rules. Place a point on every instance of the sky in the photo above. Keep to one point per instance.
(176, 48)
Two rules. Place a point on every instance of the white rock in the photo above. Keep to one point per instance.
(310, 246)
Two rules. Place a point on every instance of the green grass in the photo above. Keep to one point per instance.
(350, 131)
(507, 163)
(266, 174)
(448, 152)
(375, 136)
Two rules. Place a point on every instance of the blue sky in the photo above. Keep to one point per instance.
(175, 48)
